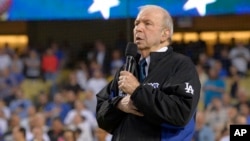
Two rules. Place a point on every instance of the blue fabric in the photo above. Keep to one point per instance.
(209, 95)
(65, 108)
(175, 133)
(206, 134)
(22, 104)
(142, 64)
(248, 119)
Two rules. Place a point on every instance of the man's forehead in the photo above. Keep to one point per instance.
(148, 16)
(151, 11)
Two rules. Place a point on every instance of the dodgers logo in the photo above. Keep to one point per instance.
(154, 85)
(189, 88)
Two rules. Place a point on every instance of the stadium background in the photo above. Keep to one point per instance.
(38, 24)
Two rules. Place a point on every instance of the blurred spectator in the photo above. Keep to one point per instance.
(56, 131)
(39, 135)
(234, 79)
(82, 74)
(18, 134)
(79, 108)
(198, 47)
(93, 65)
(79, 122)
(26, 122)
(202, 131)
(226, 100)
(42, 122)
(4, 59)
(59, 53)
(13, 122)
(218, 46)
(244, 110)
(101, 55)
(225, 134)
(16, 77)
(3, 124)
(214, 87)
(96, 82)
(56, 108)
(232, 112)
(240, 119)
(203, 78)
(41, 101)
(222, 73)
(50, 64)
(242, 97)
(17, 63)
(240, 56)
(216, 116)
(5, 110)
(116, 61)
(20, 104)
(32, 65)
(205, 62)
(72, 84)
(69, 135)
(224, 59)
(94, 85)
(12, 77)
(6, 91)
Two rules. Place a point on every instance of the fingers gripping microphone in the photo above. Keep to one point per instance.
(131, 52)
(130, 64)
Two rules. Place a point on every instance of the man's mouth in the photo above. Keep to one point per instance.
(138, 38)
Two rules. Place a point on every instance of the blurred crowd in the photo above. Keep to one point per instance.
(49, 94)
(225, 82)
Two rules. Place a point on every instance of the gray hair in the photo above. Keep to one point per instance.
(168, 19)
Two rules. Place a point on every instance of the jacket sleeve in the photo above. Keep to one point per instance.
(175, 101)
(108, 116)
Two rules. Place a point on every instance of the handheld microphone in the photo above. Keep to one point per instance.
(131, 52)
(130, 64)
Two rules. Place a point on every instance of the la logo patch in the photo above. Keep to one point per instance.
(189, 88)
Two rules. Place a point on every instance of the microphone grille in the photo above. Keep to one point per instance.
(131, 49)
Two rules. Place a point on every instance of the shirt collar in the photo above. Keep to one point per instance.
(163, 49)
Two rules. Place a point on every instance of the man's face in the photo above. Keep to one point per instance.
(148, 29)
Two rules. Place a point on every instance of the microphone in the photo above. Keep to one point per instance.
(130, 53)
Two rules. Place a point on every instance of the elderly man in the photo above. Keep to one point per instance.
(162, 105)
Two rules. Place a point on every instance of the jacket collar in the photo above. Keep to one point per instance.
(155, 57)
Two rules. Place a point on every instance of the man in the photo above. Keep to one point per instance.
(162, 107)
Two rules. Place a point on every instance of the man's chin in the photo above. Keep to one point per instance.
(142, 48)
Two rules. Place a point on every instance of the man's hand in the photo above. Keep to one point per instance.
(126, 105)
(127, 82)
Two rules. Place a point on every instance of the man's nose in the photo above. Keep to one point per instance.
(139, 27)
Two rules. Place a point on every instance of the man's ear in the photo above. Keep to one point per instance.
(165, 35)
